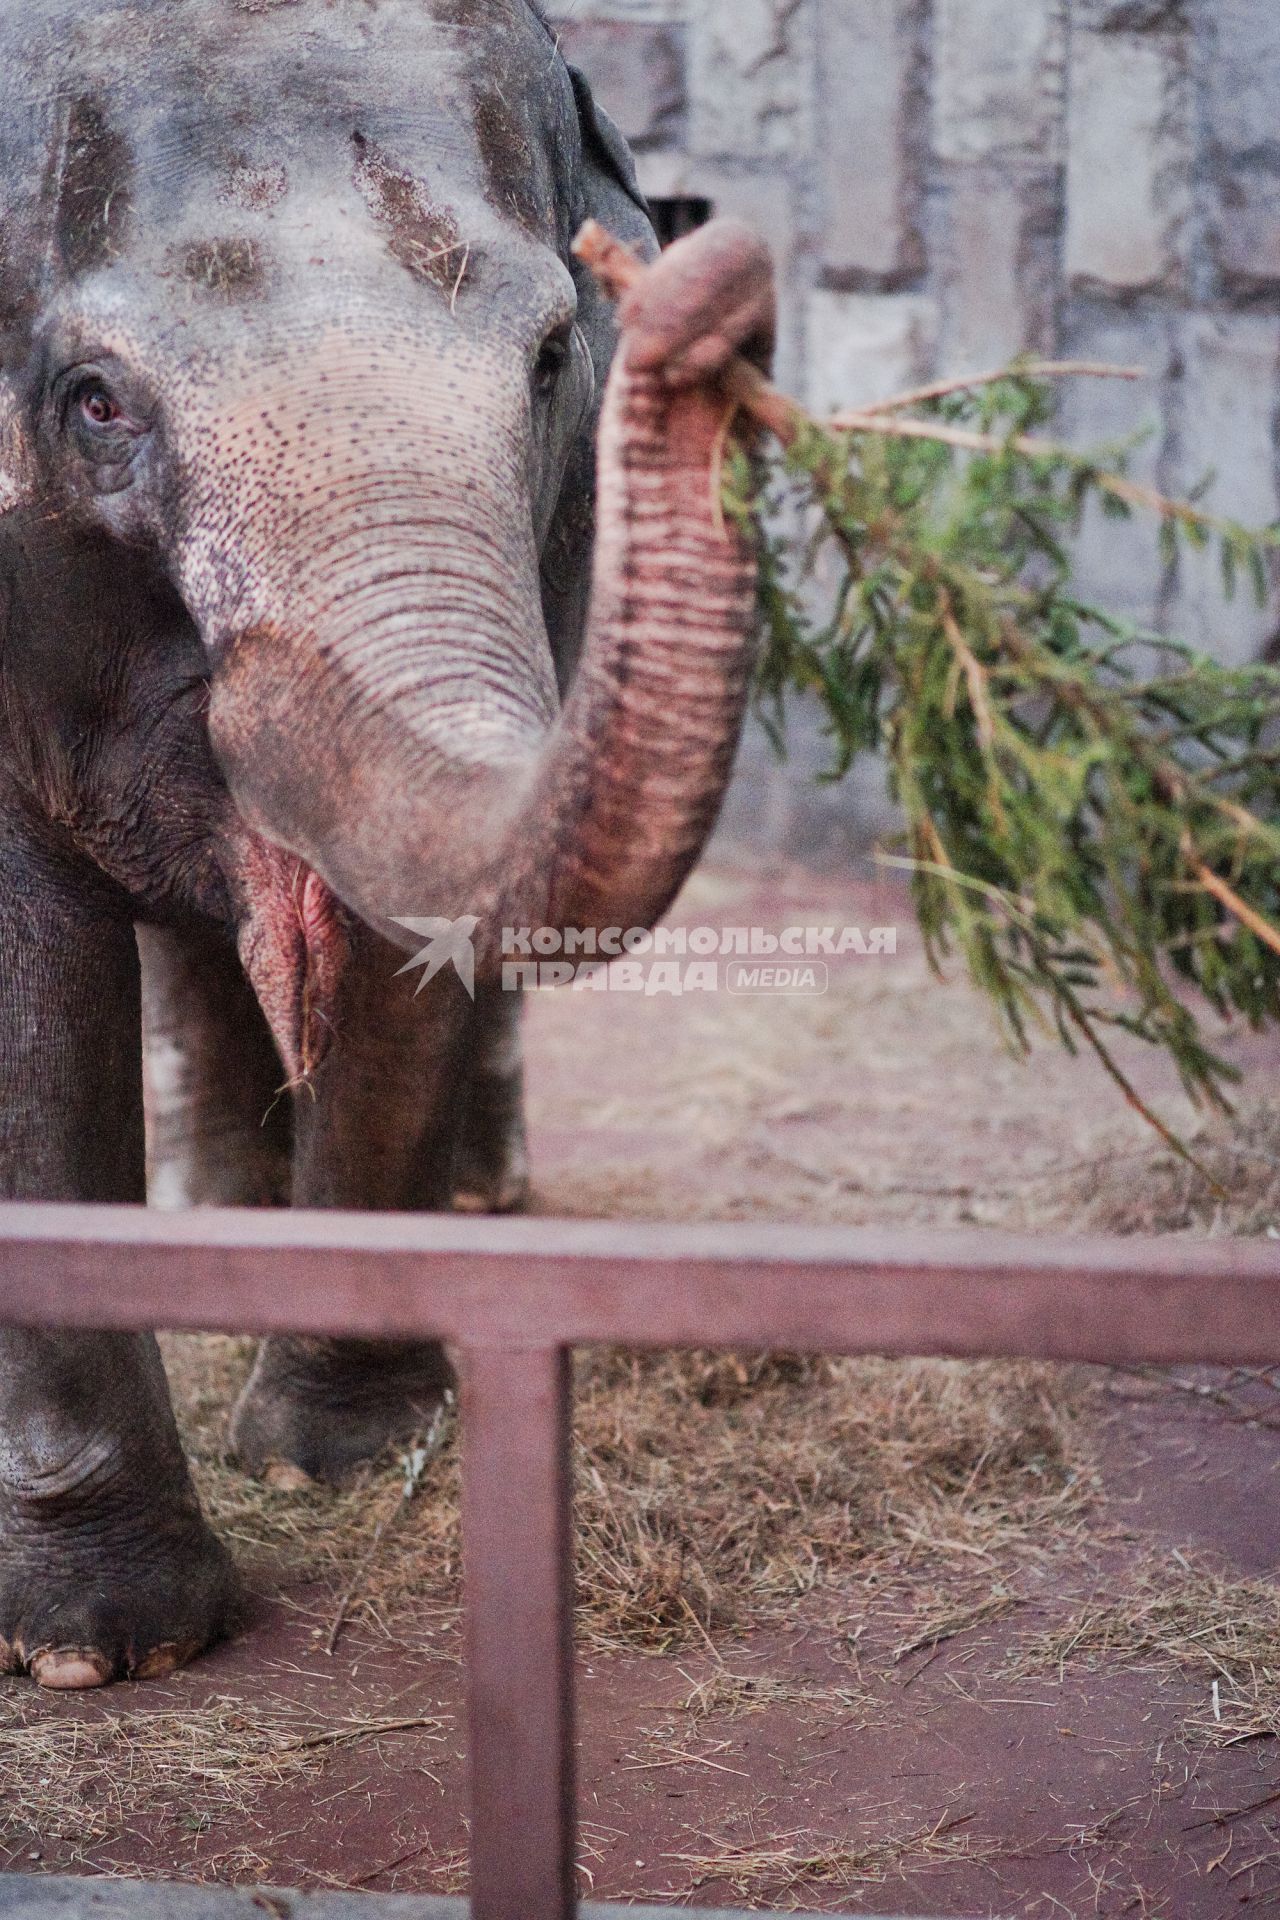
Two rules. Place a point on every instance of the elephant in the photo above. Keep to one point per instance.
(350, 572)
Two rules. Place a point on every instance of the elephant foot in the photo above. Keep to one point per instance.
(318, 1409)
(114, 1593)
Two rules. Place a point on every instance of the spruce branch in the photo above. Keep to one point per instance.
(1092, 810)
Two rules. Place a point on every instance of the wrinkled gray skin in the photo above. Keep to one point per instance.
(298, 395)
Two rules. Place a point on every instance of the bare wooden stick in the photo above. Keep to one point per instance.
(1033, 370)
(1227, 897)
(1031, 447)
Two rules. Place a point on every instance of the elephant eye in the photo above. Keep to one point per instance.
(98, 408)
(551, 361)
(94, 407)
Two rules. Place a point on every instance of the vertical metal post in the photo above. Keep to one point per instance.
(518, 1557)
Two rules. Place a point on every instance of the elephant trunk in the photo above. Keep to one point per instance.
(630, 784)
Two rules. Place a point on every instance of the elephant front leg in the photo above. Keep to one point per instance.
(219, 1126)
(106, 1566)
(376, 1126)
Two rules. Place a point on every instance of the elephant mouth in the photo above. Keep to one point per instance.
(294, 947)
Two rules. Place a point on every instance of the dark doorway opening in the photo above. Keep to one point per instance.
(678, 215)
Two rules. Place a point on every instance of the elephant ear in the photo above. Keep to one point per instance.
(608, 191)
(611, 189)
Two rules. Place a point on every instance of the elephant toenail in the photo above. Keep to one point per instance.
(10, 1658)
(285, 1477)
(162, 1661)
(64, 1669)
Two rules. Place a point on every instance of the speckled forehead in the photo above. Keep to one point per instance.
(174, 110)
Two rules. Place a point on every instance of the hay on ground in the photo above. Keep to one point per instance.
(82, 1780)
(774, 1868)
(1150, 1190)
(1182, 1617)
(714, 1492)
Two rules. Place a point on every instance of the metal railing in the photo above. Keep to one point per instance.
(514, 1298)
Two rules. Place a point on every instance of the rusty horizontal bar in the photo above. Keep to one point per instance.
(515, 1283)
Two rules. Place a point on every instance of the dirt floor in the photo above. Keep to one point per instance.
(906, 1637)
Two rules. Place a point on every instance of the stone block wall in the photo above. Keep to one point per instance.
(948, 183)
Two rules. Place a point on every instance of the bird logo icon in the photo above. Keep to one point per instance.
(449, 943)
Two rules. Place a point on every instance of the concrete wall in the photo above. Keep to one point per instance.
(947, 183)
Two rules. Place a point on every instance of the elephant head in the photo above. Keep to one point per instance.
(288, 311)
